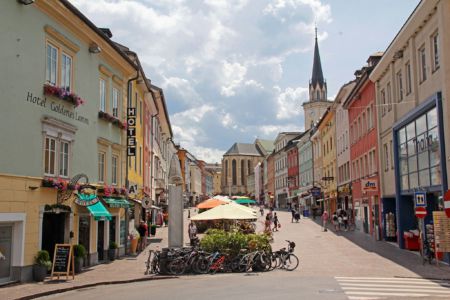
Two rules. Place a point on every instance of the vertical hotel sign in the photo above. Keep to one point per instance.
(131, 131)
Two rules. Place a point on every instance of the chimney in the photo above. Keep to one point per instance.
(106, 32)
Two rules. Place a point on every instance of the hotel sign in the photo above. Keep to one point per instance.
(369, 185)
(131, 131)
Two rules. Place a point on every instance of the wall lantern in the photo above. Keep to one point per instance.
(94, 48)
(26, 2)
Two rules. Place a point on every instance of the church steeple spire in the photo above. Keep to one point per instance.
(317, 75)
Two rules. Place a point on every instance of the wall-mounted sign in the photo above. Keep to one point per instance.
(369, 185)
(420, 199)
(131, 131)
(85, 199)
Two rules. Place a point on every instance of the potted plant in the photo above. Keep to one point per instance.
(153, 229)
(42, 265)
(79, 253)
(112, 251)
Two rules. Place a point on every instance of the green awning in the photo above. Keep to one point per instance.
(117, 202)
(99, 211)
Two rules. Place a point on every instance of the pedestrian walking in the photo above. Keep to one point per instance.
(297, 216)
(261, 210)
(276, 223)
(267, 224)
(334, 220)
(345, 219)
(325, 220)
(293, 212)
(142, 229)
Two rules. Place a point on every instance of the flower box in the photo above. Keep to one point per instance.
(113, 120)
(61, 93)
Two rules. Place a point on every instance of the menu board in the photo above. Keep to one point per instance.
(441, 231)
(63, 260)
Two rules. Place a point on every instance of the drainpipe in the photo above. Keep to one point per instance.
(129, 101)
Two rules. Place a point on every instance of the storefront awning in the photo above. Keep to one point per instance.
(99, 212)
(117, 202)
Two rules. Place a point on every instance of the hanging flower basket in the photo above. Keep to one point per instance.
(112, 191)
(61, 93)
(113, 120)
(59, 184)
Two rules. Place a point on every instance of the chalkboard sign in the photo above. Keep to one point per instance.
(63, 261)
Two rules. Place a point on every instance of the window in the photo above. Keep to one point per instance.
(364, 124)
(102, 95)
(101, 166)
(140, 160)
(114, 176)
(392, 154)
(234, 171)
(64, 159)
(115, 102)
(66, 72)
(50, 156)
(408, 78)
(52, 63)
(422, 64)
(386, 158)
(399, 86)
(140, 112)
(383, 102)
(389, 97)
(435, 47)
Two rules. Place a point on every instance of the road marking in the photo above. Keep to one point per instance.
(369, 288)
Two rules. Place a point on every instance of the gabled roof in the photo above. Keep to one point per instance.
(267, 145)
(243, 149)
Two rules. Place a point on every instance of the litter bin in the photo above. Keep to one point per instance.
(153, 230)
(306, 213)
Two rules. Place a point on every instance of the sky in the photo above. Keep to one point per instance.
(237, 70)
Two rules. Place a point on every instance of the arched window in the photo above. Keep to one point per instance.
(250, 167)
(233, 171)
(318, 95)
(242, 173)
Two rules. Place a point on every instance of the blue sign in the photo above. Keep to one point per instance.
(316, 192)
(420, 199)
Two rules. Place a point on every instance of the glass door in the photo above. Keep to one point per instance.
(5, 252)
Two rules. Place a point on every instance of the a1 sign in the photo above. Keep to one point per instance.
(447, 203)
(420, 199)
(421, 212)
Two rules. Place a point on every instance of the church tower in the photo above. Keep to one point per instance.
(318, 103)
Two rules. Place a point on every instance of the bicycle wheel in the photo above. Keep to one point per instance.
(177, 266)
(202, 265)
(291, 262)
(235, 263)
(274, 261)
(245, 264)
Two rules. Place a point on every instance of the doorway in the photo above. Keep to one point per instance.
(5, 252)
(84, 229)
(53, 228)
(101, 240)
(366, 219)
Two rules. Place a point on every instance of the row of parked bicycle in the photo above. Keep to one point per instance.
(177, 261)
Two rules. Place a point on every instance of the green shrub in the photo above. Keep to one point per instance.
(43, 258)
(233, 242)
(79, 251)
(113, 245)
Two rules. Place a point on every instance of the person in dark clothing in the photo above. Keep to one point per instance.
(293, 215)
(142, 229)
(276, 223)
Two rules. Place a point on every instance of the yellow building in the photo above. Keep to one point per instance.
(59, 137)
(217, 181)
(327, 129)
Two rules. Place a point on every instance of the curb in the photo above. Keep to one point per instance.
(63, 290)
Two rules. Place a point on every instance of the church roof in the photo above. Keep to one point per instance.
(267, 145)
(243, 149)
(317, 74)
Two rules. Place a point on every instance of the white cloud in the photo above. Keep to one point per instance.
(289, 102)
(193, 114)
(233, 75)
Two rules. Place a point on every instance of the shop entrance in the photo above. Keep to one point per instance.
(366, 219)
(101, 240)
(112, 230)
(5, 252)
(53, 228)
(84, 229)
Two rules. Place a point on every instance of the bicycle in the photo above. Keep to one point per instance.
(152, 263)
(427, 252)
(285, 259)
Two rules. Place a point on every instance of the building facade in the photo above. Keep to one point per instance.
(411, 90)
(363, 151)
(305, 154)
